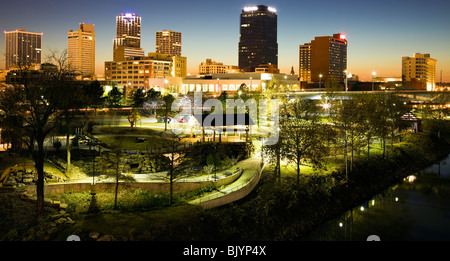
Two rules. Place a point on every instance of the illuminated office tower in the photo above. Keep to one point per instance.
(328, 58)
(128, 37)
(22, 48)
(420, 71)
(168, 42)
(305, 62)
(81, 50)
(258, 37)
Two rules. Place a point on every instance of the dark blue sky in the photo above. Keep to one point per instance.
(379, 32)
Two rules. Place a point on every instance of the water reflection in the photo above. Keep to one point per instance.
(416, 209)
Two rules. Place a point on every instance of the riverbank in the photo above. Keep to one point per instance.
(273, 211)
(286, 211)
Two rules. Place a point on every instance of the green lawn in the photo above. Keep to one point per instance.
(330, 163)
(132, 225)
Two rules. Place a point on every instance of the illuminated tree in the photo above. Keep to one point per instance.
(133, 118)
(174, 147)
(274, 154)
(114, 97)
(302, 135)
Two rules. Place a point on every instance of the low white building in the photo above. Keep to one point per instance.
(215, 84)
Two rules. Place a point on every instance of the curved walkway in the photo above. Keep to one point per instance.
(240, 188)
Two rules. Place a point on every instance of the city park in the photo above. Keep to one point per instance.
(75, 160)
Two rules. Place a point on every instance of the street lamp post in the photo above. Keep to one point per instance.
(320, 81)
(215, 169)
(346, 81)
(93, 166)
(373, 74)
(217, 89)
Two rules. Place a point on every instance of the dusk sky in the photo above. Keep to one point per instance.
(379, 32)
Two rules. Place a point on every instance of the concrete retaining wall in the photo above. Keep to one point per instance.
(234, 195)
(154, 187)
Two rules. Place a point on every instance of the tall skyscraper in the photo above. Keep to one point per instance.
(22, 48)
(128, 37)
(304, 72)
(168, 42)
(81, 50)
(326, 57)
(420, 69)
(258, 37)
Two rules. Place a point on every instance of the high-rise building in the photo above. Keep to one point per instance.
(23, 48)
(420, 69)
(128, 37)
(168, 42)
(81, 50)
(258, 37)
(136, 73)
(305, 62)
(325, 58)
(179, 66)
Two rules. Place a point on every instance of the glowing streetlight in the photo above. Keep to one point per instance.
(346, 81)
(373, 74)
(217, 89)
(320, 80)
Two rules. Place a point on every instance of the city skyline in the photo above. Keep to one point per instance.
(380, 33)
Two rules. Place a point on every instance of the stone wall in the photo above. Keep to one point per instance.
(234, 195)
(154, 187)
(27, 176)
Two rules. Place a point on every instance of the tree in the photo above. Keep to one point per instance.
(168, 100)
(274, 154)
(348, 122)
(175, 149)
(356, 87)
(113, 164)
(396, 108)
(133, 118)
(38, 104)
(114, 97)
(153, 97)
(94, 94)
(380, 120)
(139, 98)
(440, 113)
(302, 134)
(366, 119)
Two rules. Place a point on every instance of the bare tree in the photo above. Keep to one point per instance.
(113, 164)
(175, 148)
(38, 103)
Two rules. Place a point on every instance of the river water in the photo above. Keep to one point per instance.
(417, 209)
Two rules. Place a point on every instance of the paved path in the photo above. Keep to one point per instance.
(250, 167)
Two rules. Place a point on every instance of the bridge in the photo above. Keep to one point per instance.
(414, 96)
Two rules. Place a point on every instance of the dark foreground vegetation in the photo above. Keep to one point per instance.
(285, 210)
